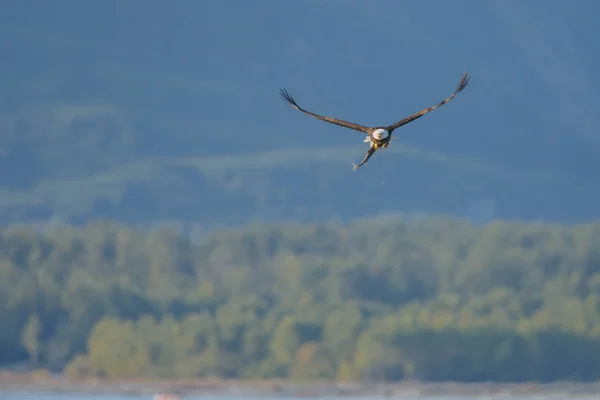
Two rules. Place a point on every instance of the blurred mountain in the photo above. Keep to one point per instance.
(149, 111)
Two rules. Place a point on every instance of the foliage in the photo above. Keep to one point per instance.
(432, 299)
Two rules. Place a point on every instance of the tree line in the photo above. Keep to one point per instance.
(432, 299)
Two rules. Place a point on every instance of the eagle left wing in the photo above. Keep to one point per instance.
(289, 99)
(464, 81)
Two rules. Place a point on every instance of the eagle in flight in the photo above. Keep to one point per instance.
(379, 136)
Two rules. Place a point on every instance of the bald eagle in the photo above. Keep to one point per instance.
(379, 136)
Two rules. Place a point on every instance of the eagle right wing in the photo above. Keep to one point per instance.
(464, 81)
(289, 99)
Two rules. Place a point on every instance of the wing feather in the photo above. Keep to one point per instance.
(289, 99)
(464, 81)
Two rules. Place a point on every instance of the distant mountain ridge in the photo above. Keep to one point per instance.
(145, 116)
(303, 184)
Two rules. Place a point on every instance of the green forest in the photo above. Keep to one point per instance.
(432, 299)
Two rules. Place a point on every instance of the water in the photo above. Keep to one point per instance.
(44, 396)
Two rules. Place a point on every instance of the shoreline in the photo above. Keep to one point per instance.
(34, 383)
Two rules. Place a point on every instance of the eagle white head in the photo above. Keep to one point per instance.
(380, 134)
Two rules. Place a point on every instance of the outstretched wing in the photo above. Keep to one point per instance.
(464, 81)
(289, 99)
